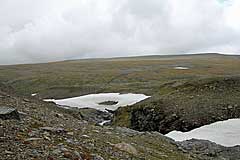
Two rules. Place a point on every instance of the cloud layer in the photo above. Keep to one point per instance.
(49, 30)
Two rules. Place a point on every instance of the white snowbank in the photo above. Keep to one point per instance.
(104, 122)
(181, 68)
(226, 133)
(93, 100)
(34, 94)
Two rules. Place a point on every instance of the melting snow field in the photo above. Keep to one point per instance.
(93, 100)
(226, 133)
(181, 68)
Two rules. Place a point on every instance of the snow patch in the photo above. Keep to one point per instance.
(34, 94)
(93, 100)
(181, 68)
(225, 133)
(104, 122)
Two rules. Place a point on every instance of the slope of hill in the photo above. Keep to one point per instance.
(186, 92)
(184, 106)
(45, 131)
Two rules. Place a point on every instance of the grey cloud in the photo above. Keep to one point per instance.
(39, 31)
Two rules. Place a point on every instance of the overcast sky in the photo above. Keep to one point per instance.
(49, 30)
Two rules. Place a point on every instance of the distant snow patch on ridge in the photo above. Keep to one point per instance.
(94, 100)
(34, 94)
(225, 133)
(181, 68)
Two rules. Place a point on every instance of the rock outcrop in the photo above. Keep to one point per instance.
(207, 150)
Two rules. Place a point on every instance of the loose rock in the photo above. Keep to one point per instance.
(126, 147)
(53, 130)
(8, 113)
(97, 157)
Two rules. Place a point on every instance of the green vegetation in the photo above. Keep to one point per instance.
(137, 74)
(185, 99)
(184, 106)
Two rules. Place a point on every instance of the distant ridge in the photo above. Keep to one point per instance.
(137, 57)
(160, 56)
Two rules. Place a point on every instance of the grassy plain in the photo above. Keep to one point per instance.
(135, 74)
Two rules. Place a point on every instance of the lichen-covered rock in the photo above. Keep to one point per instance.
(8, 113)
(126, 147)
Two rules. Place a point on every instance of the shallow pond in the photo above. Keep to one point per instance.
(226, 133)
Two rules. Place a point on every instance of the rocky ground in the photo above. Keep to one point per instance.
(208, 150)
(45, 131)
(207, 92)
(184, 106)
(32, 129)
